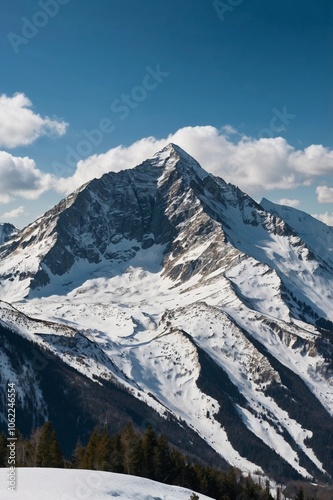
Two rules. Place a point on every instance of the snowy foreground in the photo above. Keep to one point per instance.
(68, 484)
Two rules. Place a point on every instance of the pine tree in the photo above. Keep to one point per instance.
(89, 458)
(251, 489)
(267, 494)
(162, 461)
(56, 458)
(300, 494)
(48, 452)
(178, 466)
(103, 451)
(78, 454)
(42, 449)
(149, 445)
(116, 454)
(26, 452)
(230, 483)
(131, 451)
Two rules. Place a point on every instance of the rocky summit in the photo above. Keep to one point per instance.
(166, 295)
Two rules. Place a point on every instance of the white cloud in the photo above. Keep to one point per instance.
(288, 202)
(20, 126)
(229, 130)
(313, 161)
(326, 218)
(255, 165)
(20, 177)
(12, 214)
(324, 194)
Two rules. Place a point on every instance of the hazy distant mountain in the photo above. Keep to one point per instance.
(212, 313)
(6, 232)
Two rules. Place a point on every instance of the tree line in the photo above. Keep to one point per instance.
(140, 454)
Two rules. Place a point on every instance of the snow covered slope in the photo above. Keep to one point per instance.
(65, 484)
(209, 308)
(317, 235)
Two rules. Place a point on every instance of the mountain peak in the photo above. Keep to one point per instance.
(173, 148)
(171, 151)
(173, 157)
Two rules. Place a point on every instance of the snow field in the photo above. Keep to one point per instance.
(68, 484)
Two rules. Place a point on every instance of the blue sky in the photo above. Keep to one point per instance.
(245, 86)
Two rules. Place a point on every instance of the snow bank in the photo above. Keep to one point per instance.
(68, 484)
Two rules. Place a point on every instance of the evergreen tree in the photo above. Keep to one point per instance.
(104, 450)
(252, 490)
(230, 483)
(116, 464)
(56, 458)
(267, 494)
(48, 453)
(178, 466)
(26, 452)
(162, 461)
(131, 451)
(300, 494)
(78, 455)
(149, 448)
(89, 458)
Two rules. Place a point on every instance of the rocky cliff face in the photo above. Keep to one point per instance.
(207, 307)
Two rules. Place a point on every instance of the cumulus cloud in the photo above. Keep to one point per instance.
(324, 194)
(19, 176)
(255, 165)
(288, 202)
(313, 161)
(20, 126)
(12, 214)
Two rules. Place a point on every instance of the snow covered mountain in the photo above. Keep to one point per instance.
(207, 308)
(6, 232)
